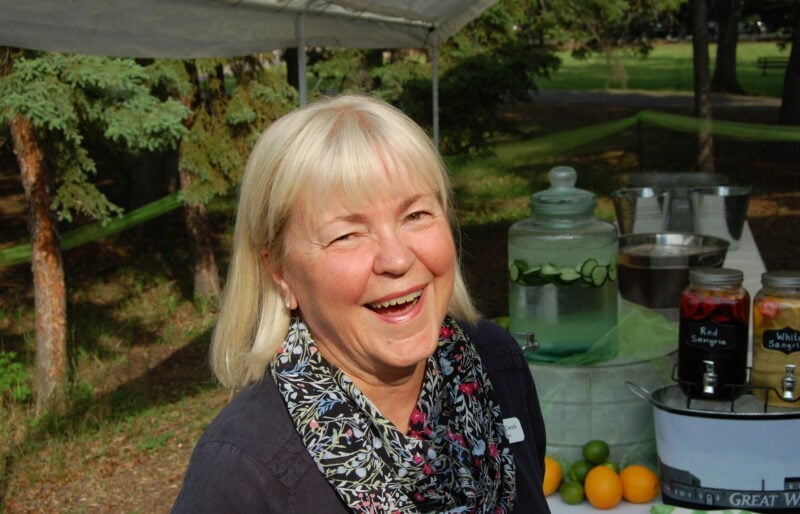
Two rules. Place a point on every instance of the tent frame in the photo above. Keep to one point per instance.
(300, 23)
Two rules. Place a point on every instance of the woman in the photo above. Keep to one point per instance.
(368, 382)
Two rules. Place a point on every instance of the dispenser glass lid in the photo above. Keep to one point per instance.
(562, 197)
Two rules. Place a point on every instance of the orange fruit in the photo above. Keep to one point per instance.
(603, 487)
(553, 475)
(639, 484)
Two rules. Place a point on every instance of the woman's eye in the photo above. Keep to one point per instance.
(343, 237)
(417, 215)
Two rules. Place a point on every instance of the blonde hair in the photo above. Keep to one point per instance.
(324, 151)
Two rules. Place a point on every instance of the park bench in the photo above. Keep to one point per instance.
(765, 63)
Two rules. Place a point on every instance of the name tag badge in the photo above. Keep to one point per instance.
(514, 430)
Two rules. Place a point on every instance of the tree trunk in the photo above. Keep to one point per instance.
(790, 101)
(49, 288)
(702, 98)
(725, 79)
(290, 58)
(206, 275)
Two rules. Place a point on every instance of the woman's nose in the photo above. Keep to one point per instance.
(394, 256)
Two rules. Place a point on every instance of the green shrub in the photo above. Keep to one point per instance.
(13, 378)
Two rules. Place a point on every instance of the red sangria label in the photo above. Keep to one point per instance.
(786, 340)
(712, 335)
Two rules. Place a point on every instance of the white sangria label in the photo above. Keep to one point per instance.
(786, 340)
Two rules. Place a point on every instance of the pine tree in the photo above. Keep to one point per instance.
(49, 101)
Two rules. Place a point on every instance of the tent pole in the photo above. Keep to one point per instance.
(435, 77)
(300, 31)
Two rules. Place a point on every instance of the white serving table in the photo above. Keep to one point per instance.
(745, 258)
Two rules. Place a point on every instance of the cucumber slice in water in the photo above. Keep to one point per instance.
(532, 278)
(569, 275)
(599, 274)
(589, 273)
(588, 266)
(548, 270)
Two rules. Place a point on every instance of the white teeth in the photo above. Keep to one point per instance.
(397, 301)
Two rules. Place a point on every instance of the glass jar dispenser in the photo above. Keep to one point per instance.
(562, 271)
(776, 339)
(713, 334)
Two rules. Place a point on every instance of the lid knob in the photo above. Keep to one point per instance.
(562, 197)
(562, 177)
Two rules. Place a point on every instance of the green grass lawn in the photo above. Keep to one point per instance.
(494, 186)
(668, 67)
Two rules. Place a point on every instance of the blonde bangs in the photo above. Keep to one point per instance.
(335, 159)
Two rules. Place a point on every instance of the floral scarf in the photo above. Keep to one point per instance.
(455, 457)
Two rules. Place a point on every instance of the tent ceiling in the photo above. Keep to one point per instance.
(224, 28)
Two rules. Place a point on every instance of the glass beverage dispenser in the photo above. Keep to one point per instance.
(563, 271)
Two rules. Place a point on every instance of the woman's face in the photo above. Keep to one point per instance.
(373, 280)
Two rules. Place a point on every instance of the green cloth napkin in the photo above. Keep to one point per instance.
(640, 334)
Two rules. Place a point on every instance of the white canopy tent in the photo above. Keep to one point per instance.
(225, 28)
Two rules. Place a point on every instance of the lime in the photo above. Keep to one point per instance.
(596, 451)
(611, 465)
(571, 493)
(579, 469)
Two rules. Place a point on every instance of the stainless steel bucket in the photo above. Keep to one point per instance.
(721, 455)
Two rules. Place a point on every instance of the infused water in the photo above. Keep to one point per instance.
(570, 303)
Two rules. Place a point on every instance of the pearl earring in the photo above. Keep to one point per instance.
(287, 303)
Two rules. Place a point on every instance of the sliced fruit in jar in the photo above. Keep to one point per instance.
(532, 277)
(787, 317)
(549, 270)
(516, 268)
(569, 275)
(588, 266)
(599, 275)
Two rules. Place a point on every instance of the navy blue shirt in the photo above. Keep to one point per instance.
(251, 459)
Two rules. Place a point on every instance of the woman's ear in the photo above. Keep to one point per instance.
(275, 272)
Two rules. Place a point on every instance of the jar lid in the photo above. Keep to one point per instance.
(563, 197)
(716, 276)
(781, 278)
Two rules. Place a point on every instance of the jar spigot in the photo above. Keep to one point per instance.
(788, 383)
(709, 378)
(530, 341)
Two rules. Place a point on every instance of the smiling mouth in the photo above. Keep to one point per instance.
(396, 304)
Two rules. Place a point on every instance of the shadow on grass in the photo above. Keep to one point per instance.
(183, 374)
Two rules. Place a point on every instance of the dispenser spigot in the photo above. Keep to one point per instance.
(531, 344)
(788, 383)
(709, 378)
